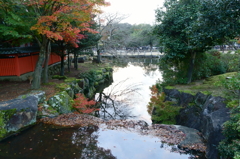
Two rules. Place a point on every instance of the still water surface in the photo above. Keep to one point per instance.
(92, 142)
(130, 92)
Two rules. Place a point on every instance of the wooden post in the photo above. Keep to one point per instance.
(17, 65)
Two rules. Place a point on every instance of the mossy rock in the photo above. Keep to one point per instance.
(59, 77)
(63, 86)
(70, 80)
(61, 102)
(5, 115)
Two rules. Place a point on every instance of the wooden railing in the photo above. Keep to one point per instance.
(18, 64)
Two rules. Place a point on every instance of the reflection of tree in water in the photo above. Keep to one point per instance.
(43, 141)
(116, 102)
(87, 137)
(176, 149)
(149, 68)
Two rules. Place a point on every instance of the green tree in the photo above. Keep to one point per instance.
(51, 20)
(178, 31)
(13, 29)
(219, 19)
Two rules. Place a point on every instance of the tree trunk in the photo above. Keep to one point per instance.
(98, 56)
(38, 68)
(191, 67)
(47, 55)
(62, 63)
(75, 60)
(69, 62)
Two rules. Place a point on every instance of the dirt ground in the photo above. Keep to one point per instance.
(12, 89)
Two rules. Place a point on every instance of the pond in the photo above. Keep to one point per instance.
(130, 94)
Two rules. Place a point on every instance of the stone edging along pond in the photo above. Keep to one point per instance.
(22, 112)
(205, 113)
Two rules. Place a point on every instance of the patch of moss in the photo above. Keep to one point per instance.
(49, 83)
(206, 86)
(206, 92)
(79, 80)
(169, 87)
(59, 77)
(24, 96)
(71, 79)
(5, 115)
(191, 104)
(63, 86)
(188, 91)
(3, 131)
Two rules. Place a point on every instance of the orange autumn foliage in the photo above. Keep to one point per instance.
(64, 19)
(82, 104)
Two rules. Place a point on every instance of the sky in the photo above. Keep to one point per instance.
(138, 11)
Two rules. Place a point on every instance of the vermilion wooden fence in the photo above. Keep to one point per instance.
(18, 64)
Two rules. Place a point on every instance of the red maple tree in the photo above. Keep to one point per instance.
(59, 20)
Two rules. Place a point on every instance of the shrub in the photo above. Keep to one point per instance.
(230, 146)
(231, 61)
(164, 111)
(82, 104)
(206, 65)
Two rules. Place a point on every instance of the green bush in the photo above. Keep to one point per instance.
(230, 146)
(231, 61)
(164, 111)
(206, 65)
(209, 64)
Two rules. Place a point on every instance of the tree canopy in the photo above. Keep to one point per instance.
(48, 20)
(187, 28)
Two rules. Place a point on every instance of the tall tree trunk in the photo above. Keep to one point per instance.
(69, 62)
(45, 70)
(191, 67)
(75, 60)
(62, 64)
(38, 68)
(98, 56)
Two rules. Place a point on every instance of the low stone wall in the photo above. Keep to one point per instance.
(20, 113)
(93, 79)
(204, 113)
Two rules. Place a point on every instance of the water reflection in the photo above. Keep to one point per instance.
(116, 101)
(129, 145)
(43, 141)
(129, 93)
(91, 142)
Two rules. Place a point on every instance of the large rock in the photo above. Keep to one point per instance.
(204, 113)
(61, 102)
(17, 114)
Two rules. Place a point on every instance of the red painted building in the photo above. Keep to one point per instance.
(20, 60)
